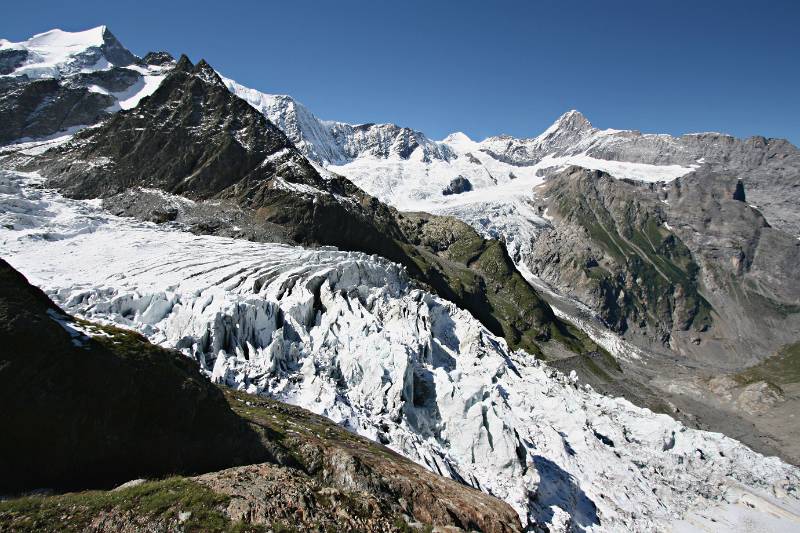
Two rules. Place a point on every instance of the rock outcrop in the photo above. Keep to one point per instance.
(688, 265)
(457, 185)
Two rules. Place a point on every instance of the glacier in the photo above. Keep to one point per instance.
(351, 337)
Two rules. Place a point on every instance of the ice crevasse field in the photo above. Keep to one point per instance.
(348, 336)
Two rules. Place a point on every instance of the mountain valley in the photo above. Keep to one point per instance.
(539, 319)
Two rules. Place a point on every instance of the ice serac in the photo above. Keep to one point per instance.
(350, 336)
(102, 394)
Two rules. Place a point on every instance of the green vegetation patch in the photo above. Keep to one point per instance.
(657, 258)
(782, 368)
(167, 503)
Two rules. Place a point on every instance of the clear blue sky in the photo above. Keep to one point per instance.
(482, 67)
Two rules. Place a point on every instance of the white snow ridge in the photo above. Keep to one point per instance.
(58, 54)
(347, 336)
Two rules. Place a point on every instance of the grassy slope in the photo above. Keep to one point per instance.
(781, 369)
(652, 253)
(151, 503)
(178, 502)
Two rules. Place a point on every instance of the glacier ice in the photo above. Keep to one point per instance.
(349, 336)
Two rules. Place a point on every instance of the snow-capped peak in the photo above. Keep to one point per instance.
(57, 38)
(55, 53)
(572, 121)
(458, 139)
(336, 143)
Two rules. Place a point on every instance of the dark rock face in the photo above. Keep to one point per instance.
(44, 107)
(738, 194)
(457, 185)
(198, 147)
(113, 80)
(113, 50)
(158, 58)
(193, 138)
(11, 59)
(94, 411)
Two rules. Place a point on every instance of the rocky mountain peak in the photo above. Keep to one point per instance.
(114, 51)
(184, 64)
(572, 121)
(57, 53)
(159, 58)
(219, 137)
(202, 69)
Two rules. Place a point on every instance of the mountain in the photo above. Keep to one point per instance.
(57, 82)
(197, 221)
(194, 138)
(495, 180)
(336, 143)
(688, 264)
(676, 254)
(408, 170)
(56, 54)
(93, 406)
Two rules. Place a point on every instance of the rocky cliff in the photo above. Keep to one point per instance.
(689, 265)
